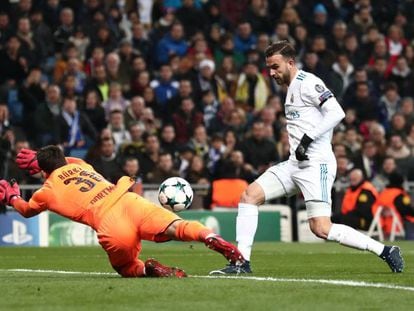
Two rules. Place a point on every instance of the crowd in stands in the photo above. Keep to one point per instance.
(159, 88)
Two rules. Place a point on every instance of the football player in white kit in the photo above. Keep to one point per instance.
(312, 112)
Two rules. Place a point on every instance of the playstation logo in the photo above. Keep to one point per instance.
(19, 234)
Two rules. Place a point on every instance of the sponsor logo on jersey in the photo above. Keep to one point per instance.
(293, 114)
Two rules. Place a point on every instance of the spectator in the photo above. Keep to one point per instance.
(341, 183)
(368, 160)
(389, 102)
(252, 89)
(81, 41)
(116, 124)
(207, 79)
(191, 17)
(199, 141)
(244, 39)
(282, 145)
(6, 29)
(410, 139)
(115, 101)
(13, 61)
(134, 146)
(140, 42)
(65, 29)
(344, 69)
(99, 82)
(133, 113)
(234, 166)
(107, 163)
(395, 198)
(185, 120)
(226, 48)
(339, 31)
(407, 109)
(352, 141)
(167, 140)
(149, 157)
(258, 151)
(131, 168)
(398, 125)
(76, 130)
(171, 44)
(165, 88)
(46, 117)
(94, 110)
(382, 179)
(139, 82)
(164, 169)
(397, 148)
(402, 75)
(358, 201)
(96, 59)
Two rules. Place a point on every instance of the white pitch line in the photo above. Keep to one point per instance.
(249, 278)
(319, 281)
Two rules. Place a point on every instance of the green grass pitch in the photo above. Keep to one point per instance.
(288, 276)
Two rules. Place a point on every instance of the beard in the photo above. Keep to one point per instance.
(284, 79)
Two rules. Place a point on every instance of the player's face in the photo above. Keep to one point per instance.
(279, 68)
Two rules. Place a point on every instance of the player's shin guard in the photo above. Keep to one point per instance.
(352, 238)
(192, 231)
(246, 226)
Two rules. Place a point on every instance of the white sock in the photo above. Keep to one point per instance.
(348, 236)
(246, 225)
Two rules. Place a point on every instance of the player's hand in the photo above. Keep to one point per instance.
(10, 190)
(302, 148)
(26, 159)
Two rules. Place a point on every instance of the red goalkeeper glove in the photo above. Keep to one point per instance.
(8, 191)
(26, 160)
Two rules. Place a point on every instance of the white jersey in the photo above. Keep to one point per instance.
(305, 96)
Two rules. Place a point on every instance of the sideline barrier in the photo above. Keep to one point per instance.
(49, 229)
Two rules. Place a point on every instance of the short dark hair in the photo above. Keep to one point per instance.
(50, 158)
(284, 48)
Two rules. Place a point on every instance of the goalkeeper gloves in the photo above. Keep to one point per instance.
(26, 159)
(8, 191)
(302, 148)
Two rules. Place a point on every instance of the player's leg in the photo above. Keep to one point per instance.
(322, 227)
(119, 235)
(317, 194)
(157, 224)
(184, 230)
(273, 183)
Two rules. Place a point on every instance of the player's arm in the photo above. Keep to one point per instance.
(10, 195)
(316, 93)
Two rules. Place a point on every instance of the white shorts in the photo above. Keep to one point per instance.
(314, 180)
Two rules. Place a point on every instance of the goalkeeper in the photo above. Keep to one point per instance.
(121, 218)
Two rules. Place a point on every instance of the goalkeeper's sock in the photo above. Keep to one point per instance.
(350, 237)
(192, 231)
(246, 226)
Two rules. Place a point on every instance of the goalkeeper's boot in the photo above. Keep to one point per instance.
(228, 250)
(393, 257)
(233, 269)
(153, 268)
